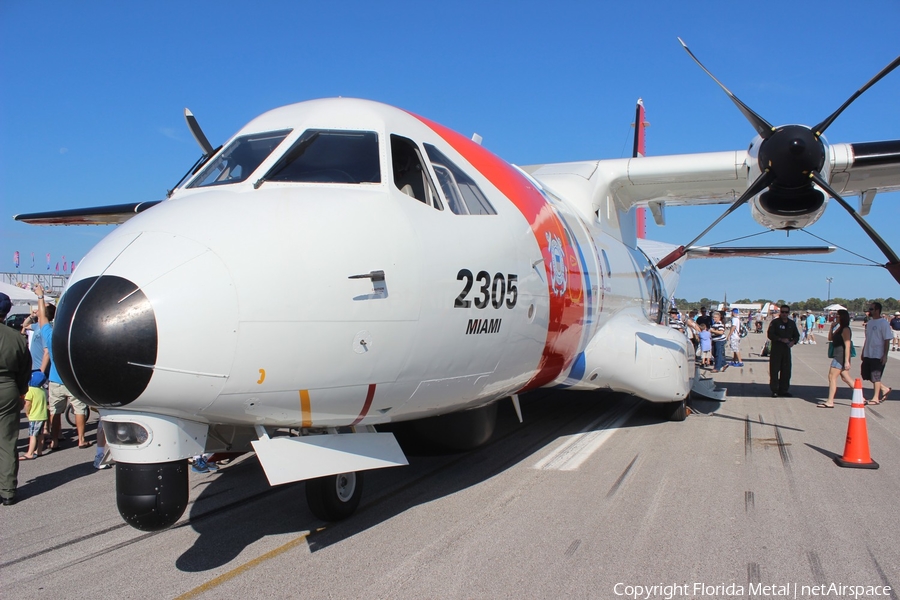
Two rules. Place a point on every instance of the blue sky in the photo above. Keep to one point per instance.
(92, 96)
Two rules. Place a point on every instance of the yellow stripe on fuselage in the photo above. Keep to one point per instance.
(305, 409)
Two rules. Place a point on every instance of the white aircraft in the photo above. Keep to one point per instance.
(429, 278)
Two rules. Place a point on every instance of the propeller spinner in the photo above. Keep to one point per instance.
(791, 159)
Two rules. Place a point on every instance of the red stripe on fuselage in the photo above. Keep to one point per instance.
(370, 394)
(566, 306)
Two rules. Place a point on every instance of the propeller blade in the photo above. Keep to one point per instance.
(763, 128)
(762, 182)
(821, 127)
(198, 134)
(893, 264)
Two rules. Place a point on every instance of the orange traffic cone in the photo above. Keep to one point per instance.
(856, 451)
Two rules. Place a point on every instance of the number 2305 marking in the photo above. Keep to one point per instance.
(491, 290)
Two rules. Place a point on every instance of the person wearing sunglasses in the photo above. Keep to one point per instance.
(784, 335)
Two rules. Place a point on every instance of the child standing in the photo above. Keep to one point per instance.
(36, 409)
(705, 345)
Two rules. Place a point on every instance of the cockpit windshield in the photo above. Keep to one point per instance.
(330, 156)
(239, 159)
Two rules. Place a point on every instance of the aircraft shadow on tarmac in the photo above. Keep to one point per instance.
(227, 525)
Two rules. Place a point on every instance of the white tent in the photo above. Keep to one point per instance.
(835, 307)
(17, 294)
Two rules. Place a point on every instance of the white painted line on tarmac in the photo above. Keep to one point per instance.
(580, 446)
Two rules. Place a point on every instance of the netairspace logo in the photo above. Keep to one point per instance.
(663, 591)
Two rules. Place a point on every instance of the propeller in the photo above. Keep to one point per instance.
(198, 134)
(791, 159)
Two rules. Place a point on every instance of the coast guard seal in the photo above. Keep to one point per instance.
(557, 264)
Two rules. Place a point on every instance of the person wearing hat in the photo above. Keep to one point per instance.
(15, 371)
(895, 327)
(675, 321)
(717, 331)
(810, 327)
(734, 339)
(784, 335)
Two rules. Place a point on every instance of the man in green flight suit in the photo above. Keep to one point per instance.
(15, 371)
(784, 334)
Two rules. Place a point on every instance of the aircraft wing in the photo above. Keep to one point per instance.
(864, 169)
(97, 215)
(715, 177)
(679, 179)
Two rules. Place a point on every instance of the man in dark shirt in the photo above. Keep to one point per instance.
(895, 327)
(704, 318)
(783, 334)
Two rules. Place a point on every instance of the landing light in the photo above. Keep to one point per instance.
(126, 434)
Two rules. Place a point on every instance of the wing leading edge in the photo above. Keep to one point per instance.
(96, 215)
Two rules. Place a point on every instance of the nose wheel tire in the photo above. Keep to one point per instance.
(675, 411)
(334, 497)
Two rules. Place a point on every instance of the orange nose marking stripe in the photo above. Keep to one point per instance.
(305, 409)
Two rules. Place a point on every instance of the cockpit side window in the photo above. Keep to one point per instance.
(410, 175)
(464, 197)
(239, 159)
(329, 156)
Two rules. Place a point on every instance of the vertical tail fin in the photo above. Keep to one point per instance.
(640, 124)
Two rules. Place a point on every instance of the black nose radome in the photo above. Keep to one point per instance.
(105, 340)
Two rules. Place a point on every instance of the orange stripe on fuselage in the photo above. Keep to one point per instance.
(567, 308)
(305, 409)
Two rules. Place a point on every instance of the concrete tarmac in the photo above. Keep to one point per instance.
(593, 496)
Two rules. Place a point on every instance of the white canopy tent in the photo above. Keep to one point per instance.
(17, 294)
(835, 307)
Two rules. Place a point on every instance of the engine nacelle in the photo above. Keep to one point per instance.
(787, 208)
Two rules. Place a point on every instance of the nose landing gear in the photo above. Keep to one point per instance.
(334, 497)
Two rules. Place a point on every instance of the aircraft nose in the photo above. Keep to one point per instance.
(105, 340)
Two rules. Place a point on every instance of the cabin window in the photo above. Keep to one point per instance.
(463, 195)
(410, 175)
(242, 156)
(328, 156)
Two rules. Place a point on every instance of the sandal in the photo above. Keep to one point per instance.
(871, 402)
(26, 457)
(823, 405)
